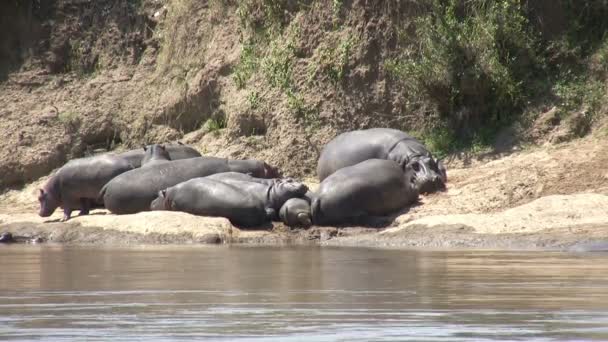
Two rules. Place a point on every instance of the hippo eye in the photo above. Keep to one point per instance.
(416, 167)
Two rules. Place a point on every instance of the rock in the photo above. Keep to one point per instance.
(572, 127)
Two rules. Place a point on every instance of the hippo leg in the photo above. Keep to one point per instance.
(271, 214)
(85, 206)
(67, 212)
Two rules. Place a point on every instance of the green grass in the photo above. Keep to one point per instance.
(254, 99)
(246, 66)
(215, 125)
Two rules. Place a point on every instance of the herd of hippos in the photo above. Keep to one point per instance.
(363, 174)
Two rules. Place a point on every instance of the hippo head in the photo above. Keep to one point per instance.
(283, 189)
(160, 202)
(296, 213)
(155, 151)
(429, 174)
(271, 171)
(48, 203)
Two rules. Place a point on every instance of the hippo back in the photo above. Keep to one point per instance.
(85, 177)
(133, 191)
(176, 152)
(353, 147)
(208, 197)
(373, 187)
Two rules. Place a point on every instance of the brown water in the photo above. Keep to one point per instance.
(55, 293)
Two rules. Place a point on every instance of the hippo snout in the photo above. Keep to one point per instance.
(431, 184)
(304, 220)
(44, 213)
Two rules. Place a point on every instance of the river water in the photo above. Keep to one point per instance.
(155, 293)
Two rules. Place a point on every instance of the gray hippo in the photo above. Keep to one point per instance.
(208, 197)
(155, 154)
(296, 213)
(375, 187)
(350, 148)
(133, 191)
(176, 152)
(76, 185)
(8, 238)
(272, 192)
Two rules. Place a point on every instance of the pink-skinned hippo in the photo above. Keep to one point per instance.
(176, 152)
(76, 185)
(353, 147)
(134, 190)
(375, 187)
(155, 154)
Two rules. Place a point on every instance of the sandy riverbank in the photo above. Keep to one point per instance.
(545, 197)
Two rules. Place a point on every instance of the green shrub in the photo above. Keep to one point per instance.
(470, 63)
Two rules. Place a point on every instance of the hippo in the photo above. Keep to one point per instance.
(272, 192)
(8, 238)
(353, 147)
(207, 197)
(155, 154)
(76, 185)
(133, 191)
(176, 152)
(296, 213)
(374, 187)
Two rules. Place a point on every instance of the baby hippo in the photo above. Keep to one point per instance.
(296, 213)
(76, 185)
(375, 187)
(155, 154)
(272, 192)
(207, 197)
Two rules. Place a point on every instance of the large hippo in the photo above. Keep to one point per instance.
(76, 185)
(375, 187)
(155, 154)
(296, 213)
(208, 197)
(272, 192)
(133, 191)
(351, 148)
(176, 152)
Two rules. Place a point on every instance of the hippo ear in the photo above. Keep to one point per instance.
(162, 147)
(163, 193)
(41, 192)
(145, 147)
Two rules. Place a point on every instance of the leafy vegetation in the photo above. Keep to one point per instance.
(474, 66)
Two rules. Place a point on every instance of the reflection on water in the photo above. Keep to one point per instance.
(322, 294)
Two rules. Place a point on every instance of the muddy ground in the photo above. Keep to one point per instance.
(552, 196)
